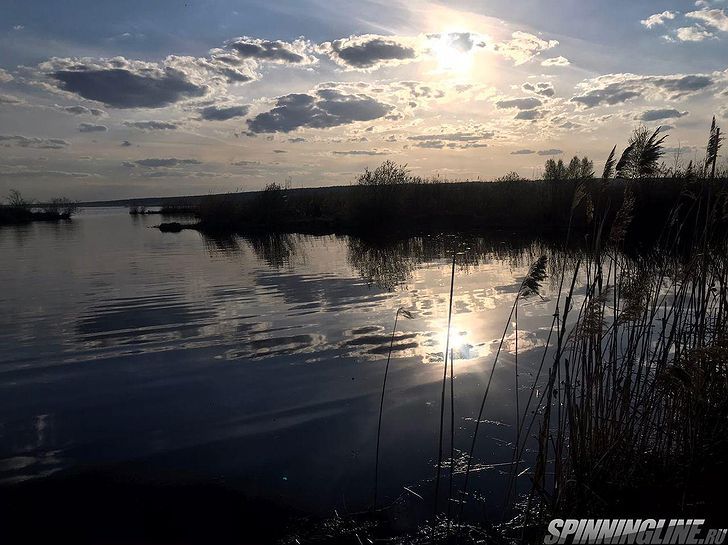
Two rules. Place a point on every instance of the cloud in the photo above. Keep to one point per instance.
(164, 163)
(440, 144)
(715, 18)
(5, 76)
(523, 152)
(416, 89)
(454, 136)
(459, 41)
(693, 34)
(656, 115)
(10, 99)
(324, 108)
(122, 83)
(556, 61)
(223, 113)
(90, 127)
(245, 163)
(220, 67)
(24, 174)
(81, 110)
(529, 115)
(452, 140)
(151, 125)
(272, 50)
(552, 151)
(658, 19)
(542, 88)
(611, 89)
(33, 142)
(360, 152)
(522, 47)
(370, 51)
(527, 103)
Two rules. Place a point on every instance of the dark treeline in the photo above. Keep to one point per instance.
(391, 200)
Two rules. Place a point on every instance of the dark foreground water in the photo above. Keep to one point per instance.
(220, 378)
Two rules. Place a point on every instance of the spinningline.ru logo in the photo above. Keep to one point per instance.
(639, 531)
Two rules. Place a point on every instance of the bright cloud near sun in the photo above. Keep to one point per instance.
(190, 100)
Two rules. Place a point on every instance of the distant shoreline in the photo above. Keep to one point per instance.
(553, 206)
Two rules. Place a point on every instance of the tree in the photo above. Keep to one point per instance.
(16, 200)
(572, 171)
(554, 170)
(586, 169)
(387, 174)
(578, 169)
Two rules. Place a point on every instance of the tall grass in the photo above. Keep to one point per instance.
(446, 353)
(634, 409)
(406, 314)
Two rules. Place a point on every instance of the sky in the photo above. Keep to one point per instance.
(108, 99)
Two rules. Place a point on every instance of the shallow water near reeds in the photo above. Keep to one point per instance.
(257, 362)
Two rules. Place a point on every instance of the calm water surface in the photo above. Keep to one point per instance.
(256, 362)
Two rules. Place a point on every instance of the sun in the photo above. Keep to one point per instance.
(453, 52)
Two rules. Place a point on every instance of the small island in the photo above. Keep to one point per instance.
(17, 210)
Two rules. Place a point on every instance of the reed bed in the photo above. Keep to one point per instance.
(627, 413)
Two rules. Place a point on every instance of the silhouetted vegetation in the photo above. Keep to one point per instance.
(629, 405)
(391, 200)
(17, 209)
(577, 169)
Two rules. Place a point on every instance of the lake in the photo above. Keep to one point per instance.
(256, 364)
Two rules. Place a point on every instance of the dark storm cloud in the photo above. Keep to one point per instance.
(613, 89)
(523, 152)
(90, 127)
(665, 113)
(325, 108)
(221, 113)
(368, 51)
(156, 163)
(271, 50)
(121, 83)
(520, 103)
(552, 151)
(33, 142)
(151, 125)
